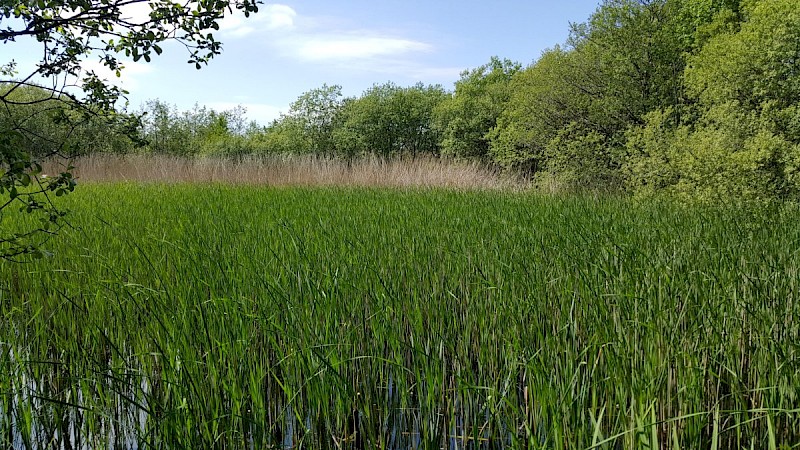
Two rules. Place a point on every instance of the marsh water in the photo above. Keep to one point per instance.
(59, 410)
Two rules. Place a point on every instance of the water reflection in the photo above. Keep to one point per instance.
(45, 406)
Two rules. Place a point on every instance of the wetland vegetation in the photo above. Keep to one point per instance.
(189, 316)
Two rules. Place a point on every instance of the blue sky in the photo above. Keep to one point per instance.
(290, 47)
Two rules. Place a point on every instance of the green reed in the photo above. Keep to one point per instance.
(243, 317)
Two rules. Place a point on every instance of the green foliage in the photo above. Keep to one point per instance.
(49, 124)
(722, 160)
(198, 132)
(744, 144)
(315, 113)
(697, 21)
(465, 118)
(649, 167)
(390, 120)
(756, 68)
(582, 159)
(695, 98)
(570, 111)
(308, 127)
(543, 101)
(286, 135)
(629, 61)
(163, 129)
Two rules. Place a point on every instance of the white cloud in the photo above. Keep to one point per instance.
(260, 112)
(235, 24)
(136, 12)
(279, 17)
(351, 47)
(334, 43)
(272, 17)
(311, 40)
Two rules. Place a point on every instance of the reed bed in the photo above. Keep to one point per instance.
(290, 170)
(214, 316)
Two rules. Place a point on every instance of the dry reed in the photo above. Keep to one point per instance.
(289, 170)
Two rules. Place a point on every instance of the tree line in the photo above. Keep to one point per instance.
(698, 99)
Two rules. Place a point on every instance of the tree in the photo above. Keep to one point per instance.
(316, 112)
(570, 112)
(744, 143)
(199, 131)
(390, 120)
(308, 126)
(163, 130)
(542, 101)
(465, 118)
(68, 31)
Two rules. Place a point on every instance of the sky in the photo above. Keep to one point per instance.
(293, 46)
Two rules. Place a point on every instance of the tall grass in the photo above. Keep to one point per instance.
(290, 170)
(190, 316)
